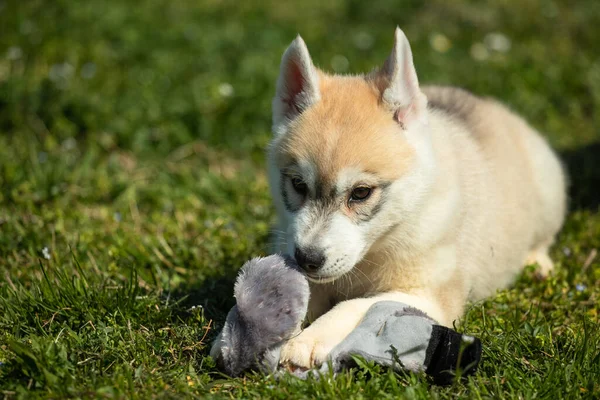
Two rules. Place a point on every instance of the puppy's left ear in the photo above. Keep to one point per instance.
(400, 89)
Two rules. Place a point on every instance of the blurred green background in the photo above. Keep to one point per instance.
(132, 182)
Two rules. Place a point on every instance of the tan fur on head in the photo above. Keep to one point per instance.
(348, 128)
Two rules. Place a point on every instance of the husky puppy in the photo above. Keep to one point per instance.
(386, 190)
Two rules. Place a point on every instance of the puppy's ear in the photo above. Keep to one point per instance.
(297, 86)
(399, 84)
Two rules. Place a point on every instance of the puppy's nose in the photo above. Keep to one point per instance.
(309, 259)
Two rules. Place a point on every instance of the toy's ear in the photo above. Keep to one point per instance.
(228, 349)
(297, 85)
(400, 92)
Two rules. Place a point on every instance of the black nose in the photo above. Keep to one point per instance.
(309, 259)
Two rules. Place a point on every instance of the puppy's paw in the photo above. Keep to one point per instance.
(544, 262)
(307, 350)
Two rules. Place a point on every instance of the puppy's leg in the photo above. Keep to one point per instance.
(311, 346)
(540, 256)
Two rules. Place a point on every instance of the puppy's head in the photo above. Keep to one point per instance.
(349, 158)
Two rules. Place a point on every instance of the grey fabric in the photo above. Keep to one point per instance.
(390, 333)
(272, 300)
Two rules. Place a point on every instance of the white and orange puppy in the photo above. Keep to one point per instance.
(387, 190)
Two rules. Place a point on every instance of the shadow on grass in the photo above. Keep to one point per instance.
(583, 167)
(214, 294)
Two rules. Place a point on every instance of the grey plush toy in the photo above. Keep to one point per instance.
(272, 300)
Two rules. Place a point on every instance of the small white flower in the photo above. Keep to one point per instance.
(479, 52)
(226, 90)
(364, 40)
(497, 42)
(339, 63)
(60, 71)
(69, 144)
(440, 42)
(14, 53)
(566, 251)
(46, 253)
(467, 339)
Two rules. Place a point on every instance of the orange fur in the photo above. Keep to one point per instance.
(347, 128)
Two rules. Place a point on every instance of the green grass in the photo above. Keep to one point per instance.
(132, 186)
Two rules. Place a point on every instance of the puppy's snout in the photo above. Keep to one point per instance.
(309, 259)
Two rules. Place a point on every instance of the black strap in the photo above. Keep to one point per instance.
(448, 350)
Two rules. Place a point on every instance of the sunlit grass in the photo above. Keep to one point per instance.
(132, 186)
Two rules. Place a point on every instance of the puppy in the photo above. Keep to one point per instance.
(386, 190)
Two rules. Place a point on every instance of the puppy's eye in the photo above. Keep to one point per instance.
(299, 185)
(360, 193)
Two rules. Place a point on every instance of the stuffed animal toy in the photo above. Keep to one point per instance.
(272, 300)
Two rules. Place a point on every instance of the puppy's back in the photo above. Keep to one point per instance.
(523, 204)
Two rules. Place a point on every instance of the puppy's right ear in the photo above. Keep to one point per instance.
(297, 85)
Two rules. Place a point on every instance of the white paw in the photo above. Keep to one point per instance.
(307, 350)
(543, 260)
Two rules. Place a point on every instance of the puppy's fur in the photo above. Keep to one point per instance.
(462, 193)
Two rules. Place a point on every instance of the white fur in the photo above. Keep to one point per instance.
(483, 196)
